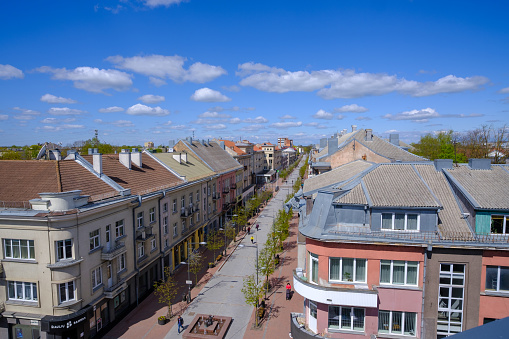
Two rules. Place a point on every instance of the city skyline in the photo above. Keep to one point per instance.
(164, 69)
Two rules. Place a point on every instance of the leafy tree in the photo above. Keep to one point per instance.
(252, 291)
(166, 290)
(10, 155)
(439, 146)
(214, 241)
(195, 264)
(266, 265)
(229, 232)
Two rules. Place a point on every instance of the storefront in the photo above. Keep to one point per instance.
(75, 325)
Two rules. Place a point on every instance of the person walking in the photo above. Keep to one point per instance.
(180, 323)
(249, 230)
(288, 290)
(252, 240)
(257, 227)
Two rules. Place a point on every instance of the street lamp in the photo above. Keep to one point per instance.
(189, 282)
(224, 231)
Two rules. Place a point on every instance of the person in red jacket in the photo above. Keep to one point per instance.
(288, 290)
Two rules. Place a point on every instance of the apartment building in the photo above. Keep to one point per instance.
(284, 142)
(257, 159)
(402, 249)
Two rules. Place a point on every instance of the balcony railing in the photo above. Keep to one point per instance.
(115, 289)
(185, 212)
(117, 249)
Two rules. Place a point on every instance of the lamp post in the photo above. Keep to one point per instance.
(189, 282)
(224, 231)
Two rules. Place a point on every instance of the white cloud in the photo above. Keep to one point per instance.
(4, 117)
(504, 90)
(91, 79)
(151, 99)
(209, 95)
(168, 123)
(363, 118)
(287, 124)
(9, 72)
(178, 127)
(140, 109)
(215, 127)
(64, 111)
(160, 67)
(351, 108)
(252, 128)
(56, 121)
(165, 3)
(315, 125)
(52, 99)
(157, 82)
(257, 120)
(111, 109)
(422, 115)
(26, 111)
(334, 84)
(321, 114)
(209, 114)
(235, 121)
(287, 116)
(123, 123)
(59, 128)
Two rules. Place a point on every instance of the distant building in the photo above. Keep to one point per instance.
(284, 142)
(149, 144)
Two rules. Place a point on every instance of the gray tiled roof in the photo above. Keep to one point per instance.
(386, 149)
(488, 188)
(212, 154)
(192, 169)
(355, 197)
(335, 176)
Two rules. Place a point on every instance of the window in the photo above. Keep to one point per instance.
(119, 228)
(121, 262)
(97, 277)
(314, 267)
(174, 207)
(175, 230)
(190, 199)
(165, 207)
(152, 214)
(165, 225)
(397, 272)
(499, 224)
(20, 290)
(197, 217)
(197, 196)
(400, 221)
(64, 249)
(346, 318)
(312, 309)
(139, 219)
(94, 239)
(450, 299)
(397, 322)
(19, 249)
(141, 250)
(183, 201)
(497, 278)
(66, 291)
(166, 243)
(347, 269)
(153, 244)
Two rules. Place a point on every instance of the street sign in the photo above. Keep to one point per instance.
(189, 282)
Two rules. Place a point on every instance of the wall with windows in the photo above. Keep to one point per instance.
(349, 215)
(494, 302)
(408, 220)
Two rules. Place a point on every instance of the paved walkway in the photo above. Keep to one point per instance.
(219, 290)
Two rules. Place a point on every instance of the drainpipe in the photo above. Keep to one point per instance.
(427, 252)
(136, 282)
(161, 250)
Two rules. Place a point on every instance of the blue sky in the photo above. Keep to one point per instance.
(156, 70)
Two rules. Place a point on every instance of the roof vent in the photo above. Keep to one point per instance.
(203, 142)
(177, 157)
(90, 151)
(465, 215)
(55, 154)
(394, 139)
(221, 143)
(479, 164)
(369, 134)
(190, 139)
(125, 158)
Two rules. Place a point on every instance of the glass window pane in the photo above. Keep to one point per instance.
(31, 249)
(383, 321)
(445, 268)
(457, 292)
(347, 269)
(456, 304)
(387, 221)
(34, 291)
(24, 249)
(8, 248)
(71, 290)
(28, 291)
(385, 271)
(358, 319)
(398, 272)
(15, 248)
(63, 295)
(411, 222)
(411, 273)
(497, 224)
(445, 279)
(458, 268)
(360, 270)
(346, 319)
(443, 303)
(504, 278)
(399, 221)
(334, 317)
(334, 269)
(396, 322)
(12, 292)
(444, 292)
(19, 290)
(410, 319)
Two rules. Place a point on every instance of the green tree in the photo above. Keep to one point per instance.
(10, 155)
(166, 290)
(252, 291)
(229, 232)
(214, 242)
(439, 146)
(266, 265)
(195, 264)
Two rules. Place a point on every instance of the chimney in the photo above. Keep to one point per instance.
(90, 151)
(221, 143)
(55, 154)
(71, 154)
(190, 139)
(354, 128)
(442, 164)
(369, 134)
(97, 161)
(394, 139)
(332, 145)
(479, 164)
(323, 142)
(125, 158)
(183, 156)
(344, 131)
(136, 158)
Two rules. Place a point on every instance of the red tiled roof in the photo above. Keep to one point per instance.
(232, 145)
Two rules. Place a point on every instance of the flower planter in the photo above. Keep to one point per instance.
(161, 321)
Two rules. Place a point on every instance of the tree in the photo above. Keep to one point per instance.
(443, 145)
(229, 232)
(10, 155)
(166, 290)
(252, 291)
(214, 242)
(265, 265)
(195, 264)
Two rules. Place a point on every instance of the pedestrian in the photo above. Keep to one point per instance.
(288, 290)
(257, 227)
(180, 323)
(252, 240)
(249, 230)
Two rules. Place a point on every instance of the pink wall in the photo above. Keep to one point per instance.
(491, 306)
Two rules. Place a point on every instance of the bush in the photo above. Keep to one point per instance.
(161, 318)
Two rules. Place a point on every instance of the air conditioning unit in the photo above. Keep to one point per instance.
(143, 235)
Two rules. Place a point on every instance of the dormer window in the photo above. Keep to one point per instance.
(400, 221)
(499, 224)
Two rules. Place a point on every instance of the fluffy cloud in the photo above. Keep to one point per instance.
(215, 127)
(25, 111)
(111, 109)
(91, 79)
(424, 115)
(363, 118)
(354, 108)
(321, 114)
(48, 128)
(9, 72)
(4, 117)
(160, 67)
(151, 99)
(334, 84)
(140, 109)
(235, 121)
(64, 111)
(286, 117)
(209, 95)
(504, 90)
(315, 125)
(165, 3)
(287, 124)
(123, 123)
(209, 114)
(52, 99)
(257, 120)
(57, 121)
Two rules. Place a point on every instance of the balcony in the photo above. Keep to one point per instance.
(144, 235)
(226, 189)
(117, 249)
(226, 206)
(115, 289)
(64, 263)
(356, 297)
(298, 327)
(185, 212)
(215, 195)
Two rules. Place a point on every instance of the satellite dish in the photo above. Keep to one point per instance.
(42, 152)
